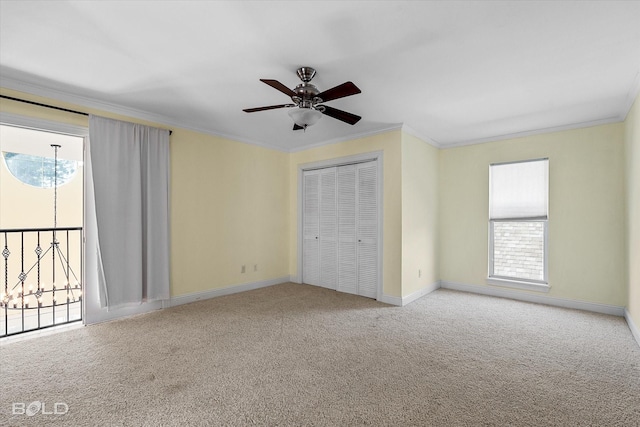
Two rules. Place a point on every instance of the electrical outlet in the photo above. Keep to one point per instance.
(255, 267)
(243, 269)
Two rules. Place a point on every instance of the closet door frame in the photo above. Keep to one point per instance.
(376, 156)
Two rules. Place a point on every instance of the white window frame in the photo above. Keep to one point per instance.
(517, 282)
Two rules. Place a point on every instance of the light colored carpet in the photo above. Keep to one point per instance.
(301, 355)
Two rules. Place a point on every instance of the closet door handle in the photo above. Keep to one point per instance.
(316, 237)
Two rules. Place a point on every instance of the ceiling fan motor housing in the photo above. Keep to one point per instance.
(306, 95)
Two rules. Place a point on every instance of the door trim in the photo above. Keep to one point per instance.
(378, 157)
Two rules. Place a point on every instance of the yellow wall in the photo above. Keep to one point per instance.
(586, 210)
(632, 155)
(229, 207)
(235, 204)
(390, 143)
(228, 203)
(419, 214)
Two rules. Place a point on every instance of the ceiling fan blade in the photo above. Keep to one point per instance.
(270, 107)
(340, 91)
(296, 127)
(277, 85)
(352, 119)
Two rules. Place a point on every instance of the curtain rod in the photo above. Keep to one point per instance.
(50, 106)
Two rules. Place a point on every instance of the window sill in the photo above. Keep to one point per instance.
(518, 284)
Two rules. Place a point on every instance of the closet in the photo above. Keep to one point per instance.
(340, 228)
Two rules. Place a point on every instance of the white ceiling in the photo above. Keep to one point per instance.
(450, 72)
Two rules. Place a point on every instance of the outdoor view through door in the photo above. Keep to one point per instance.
(41, 219)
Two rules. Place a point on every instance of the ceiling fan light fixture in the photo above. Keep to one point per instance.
(305, 117)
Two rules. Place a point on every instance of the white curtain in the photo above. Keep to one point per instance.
(129, 164)
(519, 190)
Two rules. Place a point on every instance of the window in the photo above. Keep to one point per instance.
(39, 171)
(518, 216)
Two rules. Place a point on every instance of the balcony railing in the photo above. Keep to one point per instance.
(42, 282)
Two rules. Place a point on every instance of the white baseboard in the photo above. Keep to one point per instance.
(408, 299)
(101, 315)
(634, 328)
(540, 299)
(420, 293)
(391, 300)
(199, 296)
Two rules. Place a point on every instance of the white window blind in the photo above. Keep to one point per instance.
(519, 190)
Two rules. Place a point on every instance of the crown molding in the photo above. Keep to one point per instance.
(87, 102)
(42, 124)
(411, 131)
(83, 101)
(540, 131)
(632, 95)
(350, 137)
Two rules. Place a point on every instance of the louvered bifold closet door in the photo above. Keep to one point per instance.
(311, 228)
(328, 229)
(347, 249)
(367, 229)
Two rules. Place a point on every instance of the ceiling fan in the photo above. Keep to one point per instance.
(307, 98)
